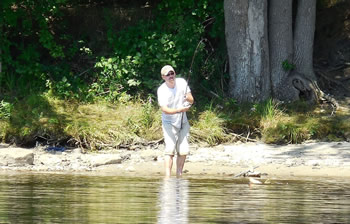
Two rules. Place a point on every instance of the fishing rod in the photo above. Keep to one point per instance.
(193, 57)
(190, 71)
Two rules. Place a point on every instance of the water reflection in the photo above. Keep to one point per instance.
(173, 201)
(41, 199)
(51, 198)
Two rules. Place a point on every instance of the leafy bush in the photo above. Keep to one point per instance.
(141, 50)
(5, 109)
(27, 42)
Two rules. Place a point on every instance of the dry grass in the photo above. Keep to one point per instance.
(95, 126)
(209, 128)
(102, 125)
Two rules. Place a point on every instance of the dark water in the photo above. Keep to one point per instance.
(64, 198)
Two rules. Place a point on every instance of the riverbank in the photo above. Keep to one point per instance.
(324, 159)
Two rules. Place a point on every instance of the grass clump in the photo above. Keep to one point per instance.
(33, 118)
(285, 130)
(279, 126)
(271, 122)
(91, 125)
(209, 128)
(102, 125)
(298, 122)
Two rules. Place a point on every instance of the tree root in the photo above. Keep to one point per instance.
(323, 75)
(310, 91)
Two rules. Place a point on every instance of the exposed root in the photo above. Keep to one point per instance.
(310, 91)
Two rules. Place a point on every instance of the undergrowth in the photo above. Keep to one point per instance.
(100, 125)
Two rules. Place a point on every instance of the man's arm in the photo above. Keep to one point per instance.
(168, 110)
(189, 98)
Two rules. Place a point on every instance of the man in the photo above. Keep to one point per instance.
(174, 98)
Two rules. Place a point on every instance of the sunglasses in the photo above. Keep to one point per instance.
(169, 74)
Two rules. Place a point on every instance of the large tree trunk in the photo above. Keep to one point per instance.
(303, 80)
(247, 43)
(250, 59)
(280, 43)
(304, 38)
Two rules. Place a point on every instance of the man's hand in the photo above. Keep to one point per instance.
(187, 104)
(183, 109)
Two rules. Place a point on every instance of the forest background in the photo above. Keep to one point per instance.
(85, 73)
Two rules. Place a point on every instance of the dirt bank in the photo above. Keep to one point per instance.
(288, 161)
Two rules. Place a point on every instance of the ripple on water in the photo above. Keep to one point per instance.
(64, 198)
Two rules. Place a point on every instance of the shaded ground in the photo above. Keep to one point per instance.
(332, 51)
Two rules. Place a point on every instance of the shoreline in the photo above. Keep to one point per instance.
(319, 159)
(312, 159)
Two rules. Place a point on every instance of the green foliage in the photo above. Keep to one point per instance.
(5, 109)
(38, 53)
(141, 50)
(287, 133)
(287, 66)
(35, 48)
(267, 109)
(45, 70)
(26, 36)
(115, 77)
(298, 124)
(148, 113)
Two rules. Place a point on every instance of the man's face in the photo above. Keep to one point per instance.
(170, 77)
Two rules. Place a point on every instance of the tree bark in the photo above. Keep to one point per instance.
(251, 54)
(247, 44)
(280, 43)
(304, 38)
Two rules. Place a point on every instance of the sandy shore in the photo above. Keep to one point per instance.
(323, 159)
(309, 159)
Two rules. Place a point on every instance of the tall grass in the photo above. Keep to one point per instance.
(298, 122)
(102, 125)
(209, 128)
(95, 125)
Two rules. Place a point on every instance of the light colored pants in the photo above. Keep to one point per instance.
(176, 139)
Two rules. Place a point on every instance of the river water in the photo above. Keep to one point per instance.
(79, 198)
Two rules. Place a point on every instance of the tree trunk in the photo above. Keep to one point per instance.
(303, 79)
(250, 59)
(304, 38)
(280, 43)
(301, 82)
(247, 44)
